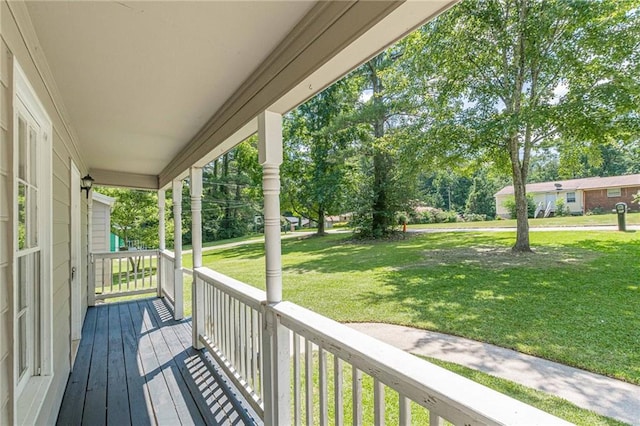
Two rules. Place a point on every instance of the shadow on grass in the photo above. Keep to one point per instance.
(576, 303)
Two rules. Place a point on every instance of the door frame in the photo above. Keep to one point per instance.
(75, 254)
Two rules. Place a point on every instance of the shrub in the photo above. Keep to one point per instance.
(595, 210)
(561, 208)
(474, 217)
(510, 205)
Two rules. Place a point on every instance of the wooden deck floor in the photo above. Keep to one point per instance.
(135, 365)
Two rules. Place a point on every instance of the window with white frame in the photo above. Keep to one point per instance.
(571, 197)
(614, 192)
(32, 225)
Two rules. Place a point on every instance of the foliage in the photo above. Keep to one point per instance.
(317, 175)
(510, 205)
(231, 195)
(636, 198)
(134, 216)
(509, 77)
(561, 208)
(481, 200)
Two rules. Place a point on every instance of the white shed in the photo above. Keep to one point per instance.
(101, 222)
(101, 230)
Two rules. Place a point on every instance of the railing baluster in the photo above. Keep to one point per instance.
(254, 349)
(404, 405)
(378, 402)
(337, 390)
(322, 374)
(435, 420)
(297, 410)
(308, 377)
(127, 267)
(356, 394)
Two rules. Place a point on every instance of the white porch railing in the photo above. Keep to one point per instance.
(167, 267)
(325, 364)
(123, 273)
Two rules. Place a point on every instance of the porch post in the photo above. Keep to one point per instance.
(161, 240)
(91, 271)
(276, 337)
(178, 304)
(197, 292)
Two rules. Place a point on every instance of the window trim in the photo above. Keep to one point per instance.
(30, 396)
(617, 194)
(574, 197)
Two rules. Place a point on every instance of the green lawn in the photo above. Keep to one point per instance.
(576, 301)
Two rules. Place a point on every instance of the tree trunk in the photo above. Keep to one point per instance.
(321, 231)
(520, 193)
(380, 222)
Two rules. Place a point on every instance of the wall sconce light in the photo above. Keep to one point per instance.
(87, 183)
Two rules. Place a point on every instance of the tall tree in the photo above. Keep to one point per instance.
(134, 217)
(388, 116)
(316, 175)
(519, 75)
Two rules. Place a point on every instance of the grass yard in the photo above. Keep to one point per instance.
(576, 301)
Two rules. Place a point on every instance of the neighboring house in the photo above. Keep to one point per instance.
(580, 195)
(143, 95)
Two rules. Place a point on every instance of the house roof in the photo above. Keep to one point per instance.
(578, 184)
(102, 199)
(147, 89)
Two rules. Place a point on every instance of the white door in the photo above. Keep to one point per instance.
(76, 255)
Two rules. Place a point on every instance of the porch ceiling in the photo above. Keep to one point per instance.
(150, 87)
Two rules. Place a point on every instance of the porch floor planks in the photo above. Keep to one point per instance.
(136, 360)
(77, 385)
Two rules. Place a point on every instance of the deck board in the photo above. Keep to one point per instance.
(77, 385)
(135, 365)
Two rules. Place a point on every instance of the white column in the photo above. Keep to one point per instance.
(161, 219)
(91, 290)
(178, 308)
(161, 240)
(276, 337)
(270, 157)
(197, 291)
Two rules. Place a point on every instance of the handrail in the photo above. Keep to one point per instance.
(453, 397)
(124, 273)
(230, 325)
(122, 254)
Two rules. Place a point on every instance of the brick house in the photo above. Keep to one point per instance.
(580, 195)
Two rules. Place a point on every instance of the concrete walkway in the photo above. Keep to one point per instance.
(606, 396)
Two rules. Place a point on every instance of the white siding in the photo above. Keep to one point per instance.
(6, 236)
(20, 42)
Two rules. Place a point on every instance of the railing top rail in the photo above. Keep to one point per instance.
(124, 254)
(168, 254)
(241, 291)
(451, 396)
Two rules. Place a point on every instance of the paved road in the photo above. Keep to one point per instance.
(606, 396)
(537, 229)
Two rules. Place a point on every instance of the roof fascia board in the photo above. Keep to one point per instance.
(324, 31)
(124, 180)
(393, 27)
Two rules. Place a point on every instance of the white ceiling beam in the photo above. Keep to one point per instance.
(124, 180)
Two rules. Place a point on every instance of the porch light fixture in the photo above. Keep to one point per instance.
(87, 183)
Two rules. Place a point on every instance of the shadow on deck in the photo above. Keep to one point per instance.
(135, 365)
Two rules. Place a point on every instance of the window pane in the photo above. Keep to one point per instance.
(33, 156)
(32, 231)
(22, 282)
(22, 149)
(22, 215)
(22, 344)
